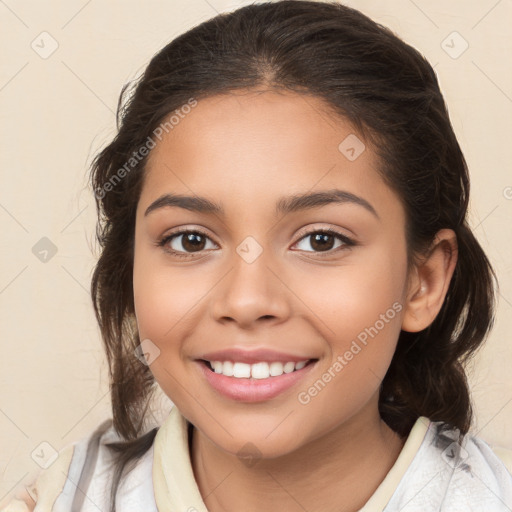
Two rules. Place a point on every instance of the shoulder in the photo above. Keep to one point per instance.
(81, 478)
(465, 477)
(480, 479)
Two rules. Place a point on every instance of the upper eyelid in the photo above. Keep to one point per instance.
(333, 230)
(183, 231)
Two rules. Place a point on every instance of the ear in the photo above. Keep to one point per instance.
(429, 282)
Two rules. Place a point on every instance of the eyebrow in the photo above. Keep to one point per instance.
(284, 205)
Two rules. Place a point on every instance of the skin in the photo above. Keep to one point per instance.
(245, 151)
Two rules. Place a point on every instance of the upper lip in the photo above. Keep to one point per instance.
(252, 356)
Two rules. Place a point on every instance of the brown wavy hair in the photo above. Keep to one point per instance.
(390, 93)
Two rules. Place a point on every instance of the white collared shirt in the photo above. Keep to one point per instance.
(431, 474)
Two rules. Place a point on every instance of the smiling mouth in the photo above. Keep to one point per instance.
(256, 371)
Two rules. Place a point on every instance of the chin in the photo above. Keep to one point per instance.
(256, 442)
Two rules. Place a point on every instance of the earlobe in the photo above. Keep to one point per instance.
(430, 281)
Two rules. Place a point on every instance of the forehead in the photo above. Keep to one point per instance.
(248, 148)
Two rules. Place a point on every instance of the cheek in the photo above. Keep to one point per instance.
(359, 314)
(160, 306)
(160, 303)
(164, 297)
(349, 298)
(363, 316)
(167, 303)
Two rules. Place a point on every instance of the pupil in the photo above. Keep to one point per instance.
(319, 240)
(193, 241)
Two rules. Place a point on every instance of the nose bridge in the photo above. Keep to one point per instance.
(251, 289)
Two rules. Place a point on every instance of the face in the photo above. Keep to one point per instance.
(256, 273)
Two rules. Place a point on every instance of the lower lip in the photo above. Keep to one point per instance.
(253, 390)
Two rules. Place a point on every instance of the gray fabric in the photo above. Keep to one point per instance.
(89, 465)
(65, 498)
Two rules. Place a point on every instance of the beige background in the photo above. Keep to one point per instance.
(58, 111)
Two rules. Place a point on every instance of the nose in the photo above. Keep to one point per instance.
(251, 294)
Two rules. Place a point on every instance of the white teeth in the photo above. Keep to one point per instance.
(289, 367)
(241, 370)
(227, 368)
(262, 370)
(276, 369)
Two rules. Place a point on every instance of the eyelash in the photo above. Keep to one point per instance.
(347, 242)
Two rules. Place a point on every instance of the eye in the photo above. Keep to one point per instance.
(324, 240)
(185, 242)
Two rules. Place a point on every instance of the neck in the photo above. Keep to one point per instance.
(336, 472)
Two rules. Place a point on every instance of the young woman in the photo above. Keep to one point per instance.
(285, 253)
